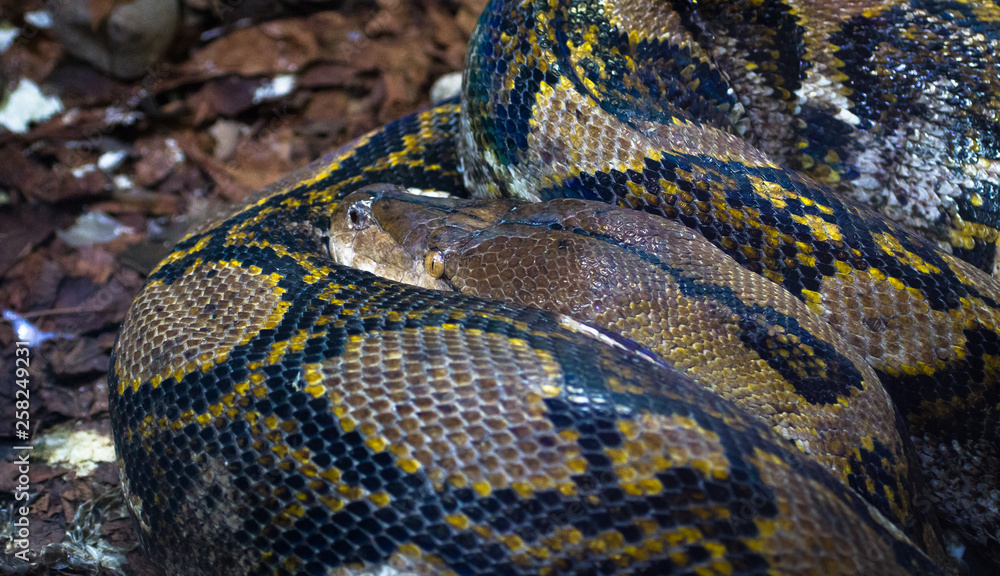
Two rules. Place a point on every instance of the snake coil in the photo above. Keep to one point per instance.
(277, 412)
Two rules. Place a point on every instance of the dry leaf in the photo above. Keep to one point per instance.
(277, 47)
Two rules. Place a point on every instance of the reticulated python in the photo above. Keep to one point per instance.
(831, 403)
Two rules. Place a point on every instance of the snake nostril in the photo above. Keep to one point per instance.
(357, 218)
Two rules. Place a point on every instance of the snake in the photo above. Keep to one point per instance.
(723, 304)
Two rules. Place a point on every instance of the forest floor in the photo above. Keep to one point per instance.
(94, 195)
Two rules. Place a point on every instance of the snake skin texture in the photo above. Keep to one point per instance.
(895, 103)
(573, 120)
(663, 286)
(278, 412)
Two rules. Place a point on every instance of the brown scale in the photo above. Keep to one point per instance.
(172, 329)
(596, 268)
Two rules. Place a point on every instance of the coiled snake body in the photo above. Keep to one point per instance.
(278, 412)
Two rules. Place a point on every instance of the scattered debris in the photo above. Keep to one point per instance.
(445, 87)
(82, 549)
(26, 105)
(110, 161)
(39, 19)
(280, 86)
(27, 332)
(77, 450)
(92, 228)
(8, 34)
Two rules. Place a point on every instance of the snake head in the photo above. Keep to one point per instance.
(404, 236)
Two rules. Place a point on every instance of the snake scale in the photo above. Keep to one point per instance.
(749, 374)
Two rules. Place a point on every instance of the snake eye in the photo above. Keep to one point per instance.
(434, 263)
(359, 215)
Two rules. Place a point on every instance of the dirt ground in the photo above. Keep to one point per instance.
(93, 196)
